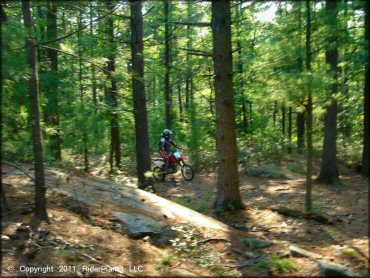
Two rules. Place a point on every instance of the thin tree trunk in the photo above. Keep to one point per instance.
(211, 100)
(275, 111)
(329, 169)
(300, 114)
(308, 205)
(228, 194)
(188, 66)
(56, 146)
(167, 63)
(93, 81)
(241, 70)
(290, 113)
(283, 122)
(80, 77)
(112, 92)
(179, 96)
(343, 116)
(41, 51)
(140, 112)
(365, 153)
(300, 131)
(40, 188)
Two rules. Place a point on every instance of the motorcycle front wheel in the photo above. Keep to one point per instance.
(158, 173)
(187, 172)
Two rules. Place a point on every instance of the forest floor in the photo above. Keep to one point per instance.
(86, 234)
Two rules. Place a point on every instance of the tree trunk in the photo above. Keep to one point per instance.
(365, 153)
(300, 131)
(41, 52)
(188, 66)
(167, 64)
(241, 70)
(138, 86)
(275, 111)
(329, 170)
(83, 129)
(112, 92)
(56, 141)
(290, 113)
(308, 205)
(93, 81)
(211, 100)
(228, 195)
(283, 122)
(40, 188)
(344, 114)
(179, 96)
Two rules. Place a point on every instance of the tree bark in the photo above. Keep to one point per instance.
(138, 86)
(167, 64)
(290, 113)
(365, 153)
(301, 114)
(179, 97)
(329, 169)
(93, 81)
(308, 204)
(40, 188)
(283, 121)
(83, 129)
(300, 131)
(275, 111)
(228, 195)
(56, 140)
(188, 80)
(241, 71)
(112, 92)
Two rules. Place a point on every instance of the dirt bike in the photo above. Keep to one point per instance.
(159, 172)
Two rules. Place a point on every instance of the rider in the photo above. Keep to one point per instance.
(164, 144)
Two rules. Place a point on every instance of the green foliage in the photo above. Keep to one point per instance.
(165, 262)
(68, 256)
(282, 265)
(276, 263)
(272, 55)
(264, 264)
(246, 242)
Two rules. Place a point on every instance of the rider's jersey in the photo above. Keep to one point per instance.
(164, 145)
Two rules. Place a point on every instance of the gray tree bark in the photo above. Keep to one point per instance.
(365, 153)
(228, 194)
(40, 188)
(329, 169)
(138, 86)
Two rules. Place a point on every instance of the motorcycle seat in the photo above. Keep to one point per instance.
(157, 158)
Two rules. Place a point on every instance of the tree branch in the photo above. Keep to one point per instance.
(72, 33)
(148, 11)
(198, 24)
(17, 167)
(73, 55)
(198, 52)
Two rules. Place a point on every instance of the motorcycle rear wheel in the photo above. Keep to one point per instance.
(159, 173)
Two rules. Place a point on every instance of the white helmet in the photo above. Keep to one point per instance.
(167, 133)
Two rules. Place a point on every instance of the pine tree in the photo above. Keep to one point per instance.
(138, 86)
(40, 188)
(228, 194)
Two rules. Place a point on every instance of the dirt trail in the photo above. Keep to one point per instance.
(105, 201)
(346, 206)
